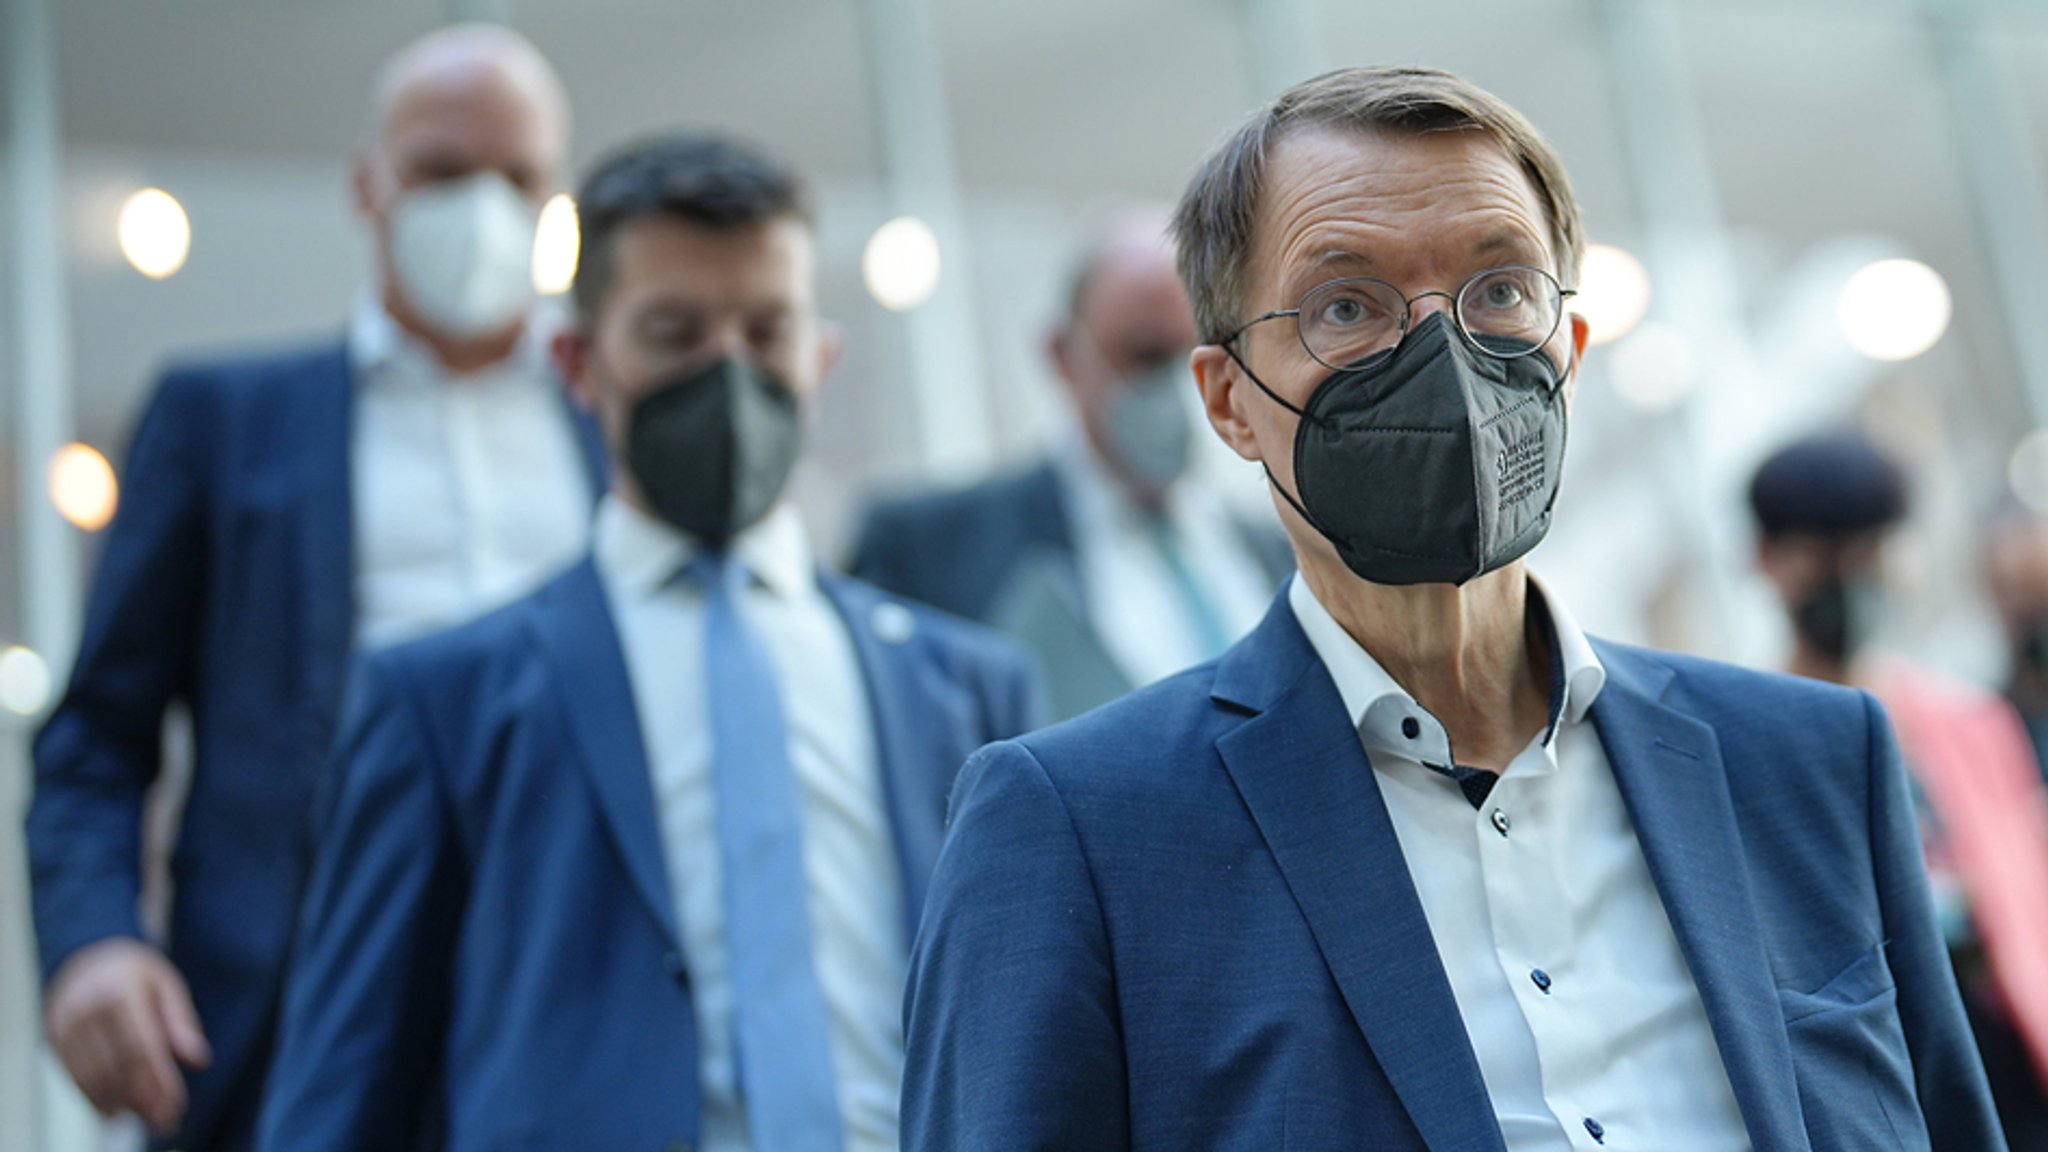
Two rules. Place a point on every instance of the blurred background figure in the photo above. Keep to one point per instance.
(284, 510)
(1109, 557)
(635, 863)
(176, 176)
(1824, 507)
(2016, 571)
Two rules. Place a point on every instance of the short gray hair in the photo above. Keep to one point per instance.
(1213, 223)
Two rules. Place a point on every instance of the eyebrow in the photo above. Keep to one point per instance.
(1338, 256)
(1506, 241)
(1513, 243)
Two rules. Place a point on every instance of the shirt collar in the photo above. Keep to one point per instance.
(1380, 708)
(641, 554)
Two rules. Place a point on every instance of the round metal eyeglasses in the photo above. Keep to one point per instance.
(1505, 312)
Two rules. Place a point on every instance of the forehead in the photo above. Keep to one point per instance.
(769, 262)
(1135, 278)
(1404, 208)
(474, 109)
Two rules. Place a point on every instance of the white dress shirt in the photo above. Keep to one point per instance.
(468, 491)
(856, 885)
(1578, 1002)
(1134, 601)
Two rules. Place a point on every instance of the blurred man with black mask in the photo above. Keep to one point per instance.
(282, 511)
(1824, 508)
(635, 861)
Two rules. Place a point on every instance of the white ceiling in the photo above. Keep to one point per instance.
(1821, 119)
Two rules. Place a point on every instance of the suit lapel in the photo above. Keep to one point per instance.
(1305, 778)
(327, 523)
(880, 630)
(582, 644)
(1669, 768)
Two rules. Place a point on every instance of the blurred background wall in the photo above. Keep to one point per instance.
(1750, 159)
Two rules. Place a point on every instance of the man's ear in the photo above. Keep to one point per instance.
(831, 349)
(1581, 328)
(1059, 352)
(362, 183)
(1222, 382)
(570, 350)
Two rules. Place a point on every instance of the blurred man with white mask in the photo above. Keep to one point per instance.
(284, 511)
(1112, 557)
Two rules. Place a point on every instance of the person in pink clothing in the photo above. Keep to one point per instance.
(1823, 508)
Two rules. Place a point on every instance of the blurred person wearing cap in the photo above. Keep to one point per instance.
(1824, 507)
(634, 863)
(1113, 561)
(283, 510)
(1418, 864)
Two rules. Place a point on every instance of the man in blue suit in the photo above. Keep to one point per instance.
(1112, 560)
(280, 512)
(635, 862)
(1417, 865)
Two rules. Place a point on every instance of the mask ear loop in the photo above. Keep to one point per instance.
(1267, 468)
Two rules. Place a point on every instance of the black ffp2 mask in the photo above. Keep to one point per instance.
(1430, 462)
(712, 449)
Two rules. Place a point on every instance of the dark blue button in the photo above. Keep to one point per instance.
(1599, 1134)
(1541, 978)
(1410, 728)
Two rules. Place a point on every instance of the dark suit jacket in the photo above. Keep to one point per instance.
(227, 585)
(490, 926)
(1185, 921)
(1002, 552)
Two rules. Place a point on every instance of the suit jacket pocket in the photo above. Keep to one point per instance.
(1849, 1055)
(1866, 978)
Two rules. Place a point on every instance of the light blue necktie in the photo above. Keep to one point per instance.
(782, 1033)
(1197, 610)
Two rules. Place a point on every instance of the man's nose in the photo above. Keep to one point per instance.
(1422, 304)
(728, 340)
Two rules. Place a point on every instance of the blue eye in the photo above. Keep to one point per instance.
(1343, 313)
(1501, 295)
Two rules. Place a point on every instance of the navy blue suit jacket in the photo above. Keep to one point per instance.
(971, 550)
(489, 929)
(953, 549)
(226, 585)
(1184, 921)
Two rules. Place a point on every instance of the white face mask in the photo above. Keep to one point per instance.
(1149, 425)
(462, 252)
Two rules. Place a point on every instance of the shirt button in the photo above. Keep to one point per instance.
(1541, 979)
(1410, 728)
(1500, 821)
(1594, 1129)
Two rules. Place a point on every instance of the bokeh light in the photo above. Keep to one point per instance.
(1894, 309)
(901, 264)
(1614, 293)
(557, 241)
(154, 232)
(82, 486)
(1654, 369)
(24, 681)
(2027, 470)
